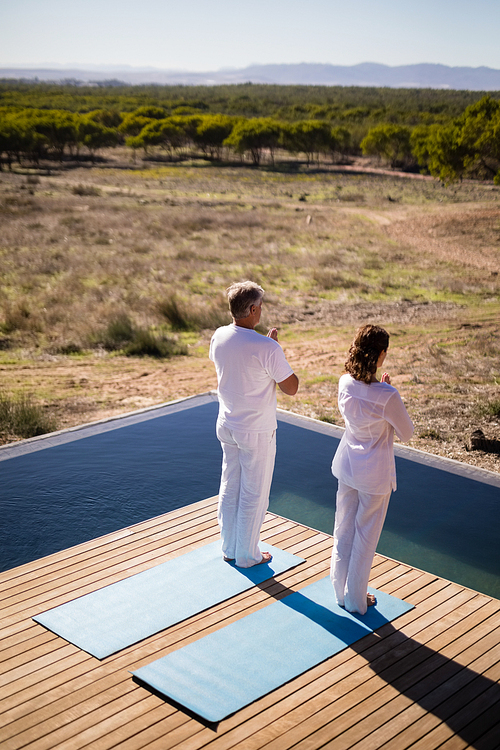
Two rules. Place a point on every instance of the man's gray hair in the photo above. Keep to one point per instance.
(241, 296)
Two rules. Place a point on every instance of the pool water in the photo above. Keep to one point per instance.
(62, 490)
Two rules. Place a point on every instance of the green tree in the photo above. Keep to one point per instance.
(108, 117)
(58, 128)
(391, 142)
(211, 133)
(132, 124)
(479, 136)
(151, 112)
(134, 142)
(419, 143)
(309, 137)
(95, 136)
(16, 138)
(341, 140)
(468, 146)
(447, 153)
(188, 126)
(7, 134)
(255, 136)
(166, 134)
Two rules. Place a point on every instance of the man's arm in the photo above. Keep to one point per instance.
(290, 385)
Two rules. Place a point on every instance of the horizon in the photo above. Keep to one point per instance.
(127, 66)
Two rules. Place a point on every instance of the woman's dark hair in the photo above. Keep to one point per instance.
(369, 342)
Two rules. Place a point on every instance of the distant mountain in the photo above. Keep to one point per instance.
(425, 75)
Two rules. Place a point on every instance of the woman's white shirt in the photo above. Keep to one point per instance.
(372, 413)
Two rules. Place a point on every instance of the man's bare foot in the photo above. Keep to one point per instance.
(266, 557)
(370, 600)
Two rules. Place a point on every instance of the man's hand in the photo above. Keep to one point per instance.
(273, 334)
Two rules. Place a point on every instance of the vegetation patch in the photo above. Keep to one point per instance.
(22, 417)
(490, 409)
(121, 334)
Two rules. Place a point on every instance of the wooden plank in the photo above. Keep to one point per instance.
(460, 710)
(393, 687)
(79, 585)
(336, 722)
(150, 556)
(201, 616)
(296, 701)
(466, 678)
(329, 716)
(489, 737)
(400, 707)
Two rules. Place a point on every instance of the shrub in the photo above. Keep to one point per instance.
(18, 317)
(490, 409)
(193, 316)
(119, 332)
(85, 190)
(431, 434)
(327, 418)
(71, 347)
(146, 344)
(174, 311)
(22, 417)
(327, 279)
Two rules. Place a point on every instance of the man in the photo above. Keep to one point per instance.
(248, 367)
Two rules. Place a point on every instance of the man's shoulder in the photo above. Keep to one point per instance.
(245, 334)
(224, 331)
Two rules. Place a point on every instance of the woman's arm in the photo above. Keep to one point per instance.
(396, 414)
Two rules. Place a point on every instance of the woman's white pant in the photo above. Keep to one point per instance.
(359, 518)
(247, 472)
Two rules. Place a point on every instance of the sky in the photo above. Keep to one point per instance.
(210, 35)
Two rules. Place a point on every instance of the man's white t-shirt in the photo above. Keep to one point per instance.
(372, 413)
(248, 366)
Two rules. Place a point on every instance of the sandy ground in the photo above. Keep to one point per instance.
(444, 409)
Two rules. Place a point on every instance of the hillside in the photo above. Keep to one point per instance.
(424, 75)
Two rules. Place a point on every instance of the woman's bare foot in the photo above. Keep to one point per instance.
(370, 600)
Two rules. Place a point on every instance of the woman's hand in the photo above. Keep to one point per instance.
(385, 378)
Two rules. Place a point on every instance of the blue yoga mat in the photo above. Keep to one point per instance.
(126, 612)
(226, 670)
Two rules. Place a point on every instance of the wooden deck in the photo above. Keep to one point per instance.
(428, 680)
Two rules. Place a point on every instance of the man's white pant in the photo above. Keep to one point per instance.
(247, 472)
(359, 518)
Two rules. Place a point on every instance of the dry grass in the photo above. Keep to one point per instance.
(96, 260)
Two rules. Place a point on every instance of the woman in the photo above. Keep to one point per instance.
(364, 465)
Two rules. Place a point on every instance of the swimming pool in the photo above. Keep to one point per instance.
(69, 487)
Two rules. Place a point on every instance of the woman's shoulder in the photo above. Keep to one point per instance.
(345, 380)
(348, 383)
